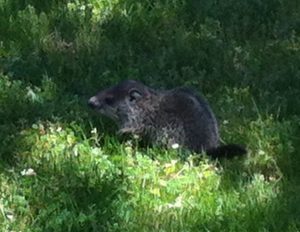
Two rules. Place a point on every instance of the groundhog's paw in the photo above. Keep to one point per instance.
(126, 130)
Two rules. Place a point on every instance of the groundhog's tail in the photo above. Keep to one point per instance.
(227, 151)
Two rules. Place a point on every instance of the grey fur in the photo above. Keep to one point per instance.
(165, 117)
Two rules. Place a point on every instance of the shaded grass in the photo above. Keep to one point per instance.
(242, 56)
(89, 182)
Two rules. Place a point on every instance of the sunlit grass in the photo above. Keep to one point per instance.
(63, 168)
(71, 175)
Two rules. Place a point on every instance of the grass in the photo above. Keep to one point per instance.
(63, 168)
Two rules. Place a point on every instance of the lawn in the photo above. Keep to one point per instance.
(64, 168)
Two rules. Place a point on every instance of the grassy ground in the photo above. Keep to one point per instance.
(62, 168)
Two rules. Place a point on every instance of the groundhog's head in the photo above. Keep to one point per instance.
(125, 103)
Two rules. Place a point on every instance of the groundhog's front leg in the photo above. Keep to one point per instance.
(130, 130)
(126, 130)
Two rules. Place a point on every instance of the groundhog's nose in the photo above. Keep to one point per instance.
(94, 103)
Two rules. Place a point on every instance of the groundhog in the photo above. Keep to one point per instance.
(164, 117)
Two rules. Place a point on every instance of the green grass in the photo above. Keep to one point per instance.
(63, 168)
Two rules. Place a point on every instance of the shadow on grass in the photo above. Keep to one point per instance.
(20, 114)
(200, 44)
(62, 197)
(66, 200)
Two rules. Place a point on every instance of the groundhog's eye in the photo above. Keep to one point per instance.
(134, 95)
(109, 100)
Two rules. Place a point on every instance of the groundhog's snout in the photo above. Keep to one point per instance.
(94, 103)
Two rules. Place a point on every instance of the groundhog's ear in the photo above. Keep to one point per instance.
(134, 94)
